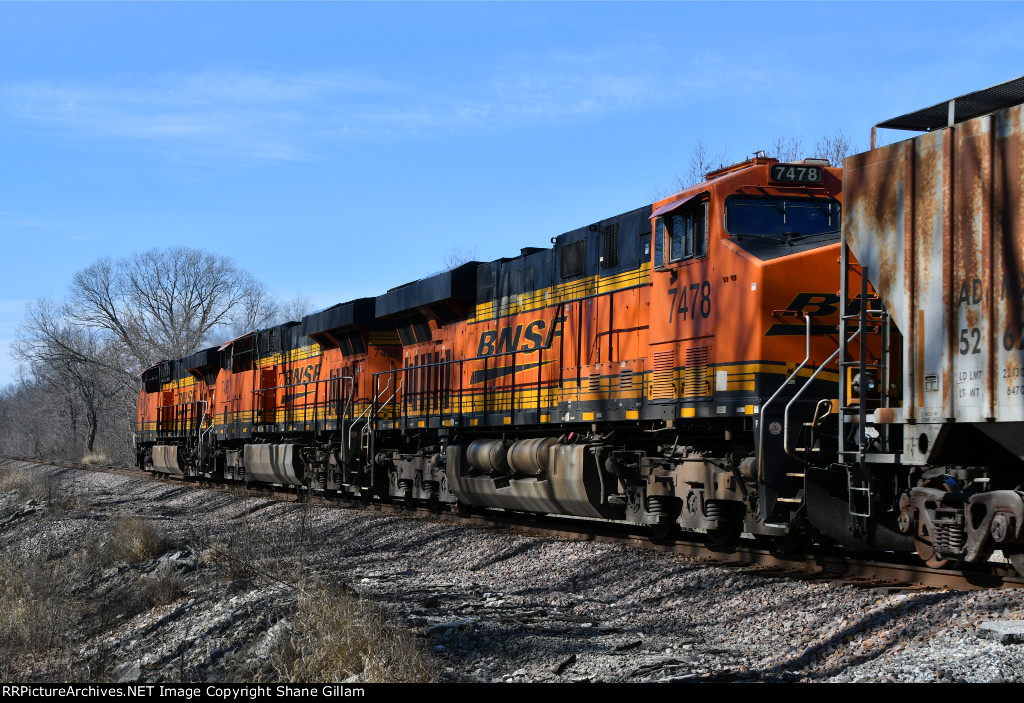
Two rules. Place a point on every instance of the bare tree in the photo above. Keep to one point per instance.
(834, 147)
(164, 304)
(457, 256)
(702, 162)
(786, 149)
(80, 366)
(82, 356)
(295, 308)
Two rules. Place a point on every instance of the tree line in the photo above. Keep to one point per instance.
(81, 356)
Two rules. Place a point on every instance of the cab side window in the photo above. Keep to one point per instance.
(659, 243)
(681, 235)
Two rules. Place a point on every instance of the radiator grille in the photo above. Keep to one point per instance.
(662, 382)
(695, 376)
(626, 380)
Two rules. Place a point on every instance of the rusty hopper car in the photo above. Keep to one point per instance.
(937, 224)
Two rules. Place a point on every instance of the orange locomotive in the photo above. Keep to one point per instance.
(617, 374)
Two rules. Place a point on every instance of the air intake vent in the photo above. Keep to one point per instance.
(626, 380)
(695, 376)
(610, 246)
(662, 382)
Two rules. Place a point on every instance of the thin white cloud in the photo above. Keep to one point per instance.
(8, 219)
(276, 117)
(262, 117)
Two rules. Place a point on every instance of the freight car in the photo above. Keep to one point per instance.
(718, 361)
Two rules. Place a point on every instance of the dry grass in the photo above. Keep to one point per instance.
(35, 615)
(336, 636)
(51, 605)
(40, 485)
(135, 540)
(95, 458)
(30, 484)
(160, 588)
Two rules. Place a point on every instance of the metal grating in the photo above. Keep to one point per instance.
(695, 375)
(626, 380)
(610, 246)
(965, 107)
(662, 375)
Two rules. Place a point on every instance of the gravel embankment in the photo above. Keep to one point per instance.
(488, 604)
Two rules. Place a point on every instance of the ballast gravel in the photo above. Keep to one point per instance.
(496, 606)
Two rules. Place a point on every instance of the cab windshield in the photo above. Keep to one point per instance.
(784, 220)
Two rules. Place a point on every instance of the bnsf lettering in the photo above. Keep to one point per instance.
(815, 304)
(302, 374)
(521, 338)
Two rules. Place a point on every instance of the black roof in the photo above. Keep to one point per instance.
(457, 284)
(965, 107)
(354, 312)
(203, 359)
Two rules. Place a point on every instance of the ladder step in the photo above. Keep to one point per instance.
(796, 475)
(789, 500)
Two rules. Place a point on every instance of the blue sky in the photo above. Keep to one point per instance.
(335, 150)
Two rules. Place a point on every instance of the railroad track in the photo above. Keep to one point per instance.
(826, 564)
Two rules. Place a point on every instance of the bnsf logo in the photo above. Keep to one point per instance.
(302, 374)
(521, 338)
(816, 305)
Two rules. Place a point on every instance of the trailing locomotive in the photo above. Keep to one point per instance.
(718, 361)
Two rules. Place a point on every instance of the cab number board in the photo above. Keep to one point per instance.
(797, 173)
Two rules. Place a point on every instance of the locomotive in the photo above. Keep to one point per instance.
(789, 351)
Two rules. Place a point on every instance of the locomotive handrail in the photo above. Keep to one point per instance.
(370, 405)
(344, 411)
(785, 416)
(205, 404)
(760, 415)
(317, 403)
(176, 422)
(447, 363)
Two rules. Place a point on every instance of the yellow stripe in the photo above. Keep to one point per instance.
(180, 383)
(564, 292)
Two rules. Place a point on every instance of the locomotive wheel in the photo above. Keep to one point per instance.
(465, 509)
(434, 503)
(408, 500)
(725, 536)
(662, 530)
(1018, 562)
(795, 542)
